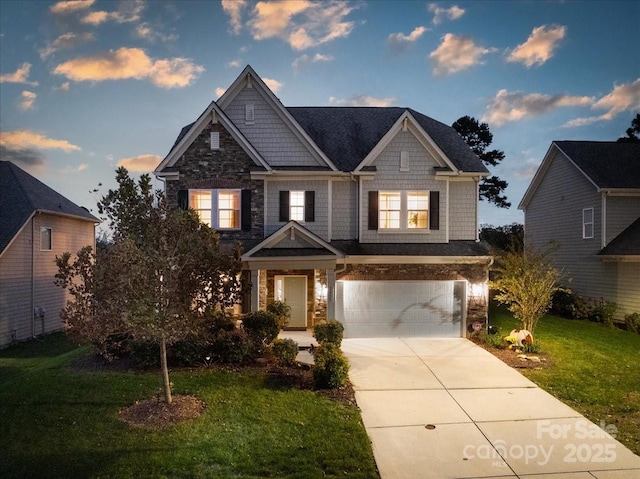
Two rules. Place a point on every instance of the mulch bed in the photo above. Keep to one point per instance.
(156, 414)
(510, 357)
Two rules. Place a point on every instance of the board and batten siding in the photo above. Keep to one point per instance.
(344, 211)
(463, 210)
(419, 177)
(553, 219)
(268, 133)
(321, 224)
(27, 276)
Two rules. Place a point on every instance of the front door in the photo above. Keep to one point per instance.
(294, 293)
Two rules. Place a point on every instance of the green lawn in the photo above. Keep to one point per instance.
(61, 422)
(596, 370)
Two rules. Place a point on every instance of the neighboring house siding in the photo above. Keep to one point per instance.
(344, 212)
(320, 226)
(68, 235)
(201, 167)
(269, 134)
(625, 285)
(463, 210)
(621, 212)
(389, 177)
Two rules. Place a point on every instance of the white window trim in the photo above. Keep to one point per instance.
(46, 228)
(404, 213)
(292, 206)
(214, 141)
(586, 223)
(215, 218)
(404, 161)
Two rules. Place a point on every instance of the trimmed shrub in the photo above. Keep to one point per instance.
(563, 304)
(633, 322)
(285, 351)
(330, 331)
(233, 346)
(262, 327)
(145, 354)
(217, 320)
(330, 368)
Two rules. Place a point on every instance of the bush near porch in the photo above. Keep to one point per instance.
(595, 369)
(59, 420)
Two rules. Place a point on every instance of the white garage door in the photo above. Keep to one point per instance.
(401, 308)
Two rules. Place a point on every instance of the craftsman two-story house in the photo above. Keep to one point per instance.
(364, 215)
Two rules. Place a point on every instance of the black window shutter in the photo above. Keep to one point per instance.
(434, 210)
(183, 199)
(245, 211)
(284, 206)
(309, 206)
(373, 210)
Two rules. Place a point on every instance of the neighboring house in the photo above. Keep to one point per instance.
(585, 200)
(36, 224)
(365, 215)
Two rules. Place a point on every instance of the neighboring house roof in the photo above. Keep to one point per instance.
(348, 134)
(461, 248)
(608, 165)
(626, 243)
(22, 195)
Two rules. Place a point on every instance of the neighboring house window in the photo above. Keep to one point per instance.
(220, 209)
(297, 205)
(389, 209)
(587, 223)
(215, 140)
(404, 210)
(417, 209)
(45, 238)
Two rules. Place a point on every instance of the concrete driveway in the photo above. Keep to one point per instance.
(446, 408)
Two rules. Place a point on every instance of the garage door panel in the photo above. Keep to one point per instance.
(400, 308)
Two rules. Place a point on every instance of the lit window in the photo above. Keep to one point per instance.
(587, 223)
(45, 238)
(229, 209)
(219, 209)
(389, 209)
(417, 209)
(296, 205)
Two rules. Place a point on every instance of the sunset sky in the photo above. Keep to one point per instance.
(87, 85)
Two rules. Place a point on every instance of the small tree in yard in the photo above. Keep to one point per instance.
(525, 282)
(152, 284)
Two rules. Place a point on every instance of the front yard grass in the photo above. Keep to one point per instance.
(58, 421)
(596, 370)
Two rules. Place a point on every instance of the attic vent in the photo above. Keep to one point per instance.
(215, 140)
(404, 161)
(249, 114)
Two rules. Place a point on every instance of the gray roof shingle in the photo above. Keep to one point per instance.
(21, 195)
(609, 164)
(626, 243)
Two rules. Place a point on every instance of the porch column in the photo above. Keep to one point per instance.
(331, 294)
(255, 289)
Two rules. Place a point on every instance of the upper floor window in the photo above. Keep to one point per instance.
(587, 223)
(220, 209)
(45, 238)
(297, 205)
(404, 210)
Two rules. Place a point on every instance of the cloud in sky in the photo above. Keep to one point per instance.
(235, 63)
(234, 9)
(274, 85)
(509, 106)
(153, 33)
(23, 139)
(65, 41)
(306, 59)
(27, 157)
(140, 163)
(220, 91)
(131, 63)
(21, 75)
(127, 12)
(625, 97)
(362, 100)
(301, 23)
(440, 13)
(399, 41)
(28, 99)
(539, 47)
(70, 6)
(456, 53)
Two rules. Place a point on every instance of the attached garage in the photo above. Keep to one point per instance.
(401, 308)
